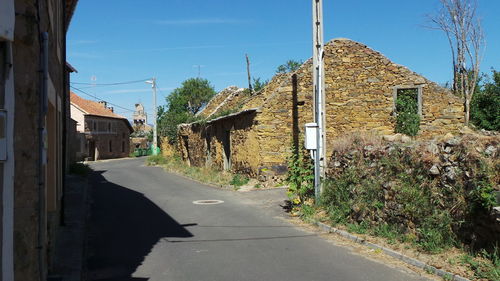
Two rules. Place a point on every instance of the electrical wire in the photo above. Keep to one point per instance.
(111, 84)
(93, 96)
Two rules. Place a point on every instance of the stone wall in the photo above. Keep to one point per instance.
(29, 219)
(360, 84)
(112, 137)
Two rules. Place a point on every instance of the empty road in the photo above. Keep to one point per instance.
(143, 225)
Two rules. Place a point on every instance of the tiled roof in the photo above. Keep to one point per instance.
(92, 107)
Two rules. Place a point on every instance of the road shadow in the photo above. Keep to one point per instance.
(123, 227)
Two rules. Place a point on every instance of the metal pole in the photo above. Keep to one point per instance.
(319, 95)
(155, 133)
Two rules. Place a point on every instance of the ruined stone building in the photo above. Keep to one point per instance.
(103, 133)
(254, 134)
(34, 104)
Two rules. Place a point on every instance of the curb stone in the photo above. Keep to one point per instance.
(392, 253)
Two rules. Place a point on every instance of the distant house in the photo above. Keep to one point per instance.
(253, 134)
(102, 134)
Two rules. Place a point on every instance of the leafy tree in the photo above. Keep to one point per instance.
(191, 96)
(289, 66)
(258, 85)
(182, 105)
(485, 107)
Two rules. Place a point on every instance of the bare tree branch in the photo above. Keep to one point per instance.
(458, 20)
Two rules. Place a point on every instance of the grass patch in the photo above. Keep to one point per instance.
(203, 174)
(79, 169)
(239, 180)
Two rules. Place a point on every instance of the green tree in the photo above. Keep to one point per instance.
(289, 66)
(485, 106)
(258, 85)
(191, 96)
(182, 105)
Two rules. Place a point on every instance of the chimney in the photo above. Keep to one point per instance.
(103, 103)
(112, 109)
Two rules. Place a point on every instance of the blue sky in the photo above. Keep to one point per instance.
(130, 40)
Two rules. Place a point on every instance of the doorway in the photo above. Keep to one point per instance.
(91, 151)
(226, 142)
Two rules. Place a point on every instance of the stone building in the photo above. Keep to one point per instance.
(140, 119)
(34, 107)
(361, 87)
(105, 134)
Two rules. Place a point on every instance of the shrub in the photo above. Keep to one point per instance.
(407, 117)
(485, 105)
(239, 180)
(300, 177)
(79, 169)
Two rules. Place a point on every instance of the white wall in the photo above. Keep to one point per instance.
(79, 116)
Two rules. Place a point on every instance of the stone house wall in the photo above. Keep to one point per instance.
(34, 227)
(111, 136)
(359, 86)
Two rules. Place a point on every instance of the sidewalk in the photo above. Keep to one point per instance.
(70, 241)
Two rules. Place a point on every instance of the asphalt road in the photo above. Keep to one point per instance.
(144, 226)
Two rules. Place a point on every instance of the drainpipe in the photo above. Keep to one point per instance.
(42, 159)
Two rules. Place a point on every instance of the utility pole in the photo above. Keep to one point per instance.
(155, 133)
(248, 72)
(319, 96)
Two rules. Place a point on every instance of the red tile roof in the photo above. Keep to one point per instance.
(94, 108)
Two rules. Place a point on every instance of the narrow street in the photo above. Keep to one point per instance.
(143, 225)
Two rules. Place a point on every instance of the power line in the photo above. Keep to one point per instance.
(111, 84)
(90, 95)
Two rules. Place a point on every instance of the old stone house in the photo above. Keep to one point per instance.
(34, 104)
(256, 135)
(105, 134)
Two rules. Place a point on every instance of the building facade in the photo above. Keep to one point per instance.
(33, 119)
(361, 88)
(101, 133)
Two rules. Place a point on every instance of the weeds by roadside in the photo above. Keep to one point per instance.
(202, 174)
(426, 198)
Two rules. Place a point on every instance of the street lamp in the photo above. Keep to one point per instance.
(155, 136)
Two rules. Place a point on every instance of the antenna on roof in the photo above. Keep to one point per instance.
(199, 66)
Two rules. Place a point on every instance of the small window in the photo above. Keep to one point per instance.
(110, 146)
(109, 126)
(123, 146)
(94, 125)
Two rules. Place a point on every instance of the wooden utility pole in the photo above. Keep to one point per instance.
(319, 94)
(248, 72)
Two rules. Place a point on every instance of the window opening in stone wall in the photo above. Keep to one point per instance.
(110, 146)
(95, 125)
(407, 110)
(123, 146)
(109, 126)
